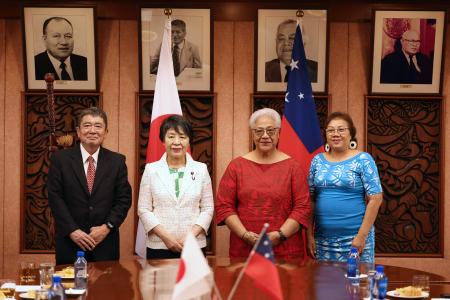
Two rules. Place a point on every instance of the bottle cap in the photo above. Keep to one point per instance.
(80, 253)
(379, 269)
(354, 250)
(56, 279)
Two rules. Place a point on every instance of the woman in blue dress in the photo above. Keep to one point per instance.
(346, 194)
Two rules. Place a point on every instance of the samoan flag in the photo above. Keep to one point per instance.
(261, 268)
(300, 134)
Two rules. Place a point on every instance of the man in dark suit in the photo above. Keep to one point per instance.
(407, 65)
(58, 58)
(88, 193)
(276, 70)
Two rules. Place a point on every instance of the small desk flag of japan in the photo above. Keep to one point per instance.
(261, 268)
(166, 103)
(194, 277)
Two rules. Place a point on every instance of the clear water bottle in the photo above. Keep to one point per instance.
(56, 290)
(80, 271)
(371, 278)
(380, 284)
(353, 266)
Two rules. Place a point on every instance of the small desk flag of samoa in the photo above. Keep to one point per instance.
(261, 268)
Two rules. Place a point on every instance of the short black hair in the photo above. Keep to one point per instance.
(95, 112)
(179, 124)
(179, 23)
(44, 27)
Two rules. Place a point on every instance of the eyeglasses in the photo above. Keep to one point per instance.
(339, 130)
(88, 126)
(412, 41)
(259, 132)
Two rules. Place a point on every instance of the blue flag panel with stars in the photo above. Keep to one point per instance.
(265, 248)
(299, 107)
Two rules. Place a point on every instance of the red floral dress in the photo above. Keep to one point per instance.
(264, 193)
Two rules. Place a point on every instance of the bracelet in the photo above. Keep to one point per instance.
(243, 235)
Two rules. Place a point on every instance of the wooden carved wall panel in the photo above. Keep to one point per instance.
(277, 102)
(404, 139)
(199, 111)
(38, 224)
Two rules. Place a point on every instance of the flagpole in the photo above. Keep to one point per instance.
(233, 290)
(216, 290)
(299, 14)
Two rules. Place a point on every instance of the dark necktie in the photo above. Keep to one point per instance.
(412, 70)
(64, 74)
(286, 77)
(90, 174)
(176, 60)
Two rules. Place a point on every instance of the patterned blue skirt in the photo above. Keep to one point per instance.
(337, 248)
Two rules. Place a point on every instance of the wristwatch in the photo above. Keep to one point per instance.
(282, 236)
(110, 225)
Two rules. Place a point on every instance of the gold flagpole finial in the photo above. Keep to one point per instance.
(168, 12)
(299, 13)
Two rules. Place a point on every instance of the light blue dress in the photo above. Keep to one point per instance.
(339, 190)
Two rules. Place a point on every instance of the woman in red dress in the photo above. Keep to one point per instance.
(264, 186)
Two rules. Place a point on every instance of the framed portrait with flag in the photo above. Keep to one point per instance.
(275, 38)
(190, 47)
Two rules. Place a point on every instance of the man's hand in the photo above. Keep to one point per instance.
(83, 240)
(98, 233)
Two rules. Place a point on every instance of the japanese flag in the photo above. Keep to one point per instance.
(194, 277)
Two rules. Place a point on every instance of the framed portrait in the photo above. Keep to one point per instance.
(191, 39)
(407, 52)
(60, 40)
(276, 32)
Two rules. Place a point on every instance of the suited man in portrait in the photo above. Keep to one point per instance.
(185, 54)
(407, 65)
(59, 58)
(276, 70)
(88, 192)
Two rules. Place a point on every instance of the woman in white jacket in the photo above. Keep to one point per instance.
(175, 195)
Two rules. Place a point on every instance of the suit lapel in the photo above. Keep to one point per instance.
(163, 173)
(51, 68)
(184, 56)
(78, 168)
(189, 176)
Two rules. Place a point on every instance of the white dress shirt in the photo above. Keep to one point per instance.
(85, 155)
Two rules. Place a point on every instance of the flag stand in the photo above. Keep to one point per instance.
(234, 288)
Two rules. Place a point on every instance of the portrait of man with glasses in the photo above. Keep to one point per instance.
(406, 64)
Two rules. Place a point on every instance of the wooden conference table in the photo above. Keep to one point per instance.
(154, 279)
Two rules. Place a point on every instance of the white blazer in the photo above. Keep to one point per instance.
(158, 203)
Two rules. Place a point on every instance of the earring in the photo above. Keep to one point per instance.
(327, 147)
(353, 145)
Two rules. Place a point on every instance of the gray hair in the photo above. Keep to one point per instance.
(286, 22)
(265, 112)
